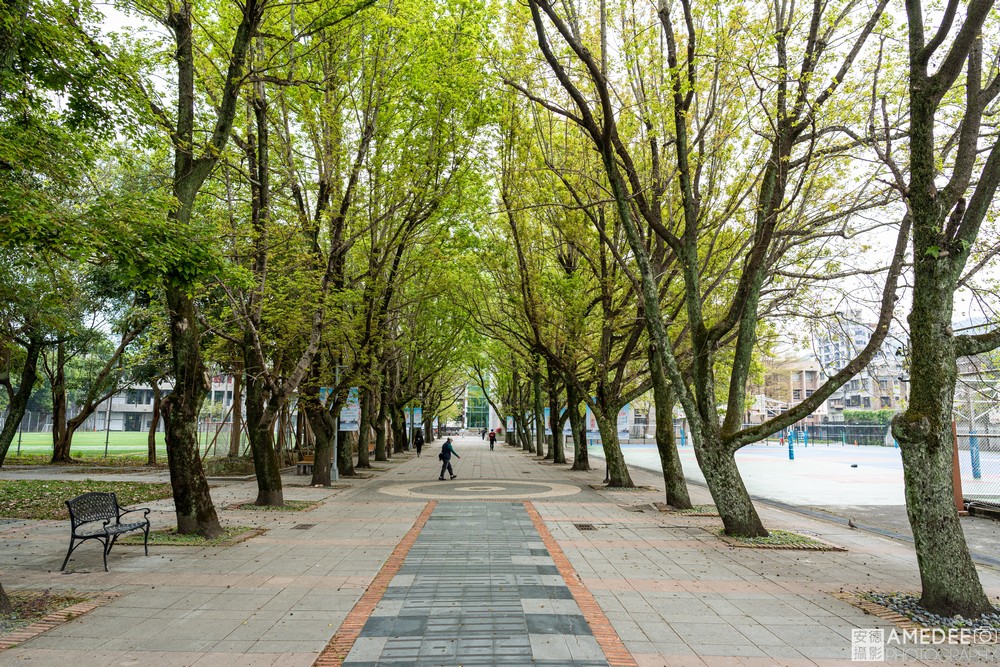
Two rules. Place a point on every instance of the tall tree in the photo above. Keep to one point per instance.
(759, 208)
(193, 162)
(950, 191)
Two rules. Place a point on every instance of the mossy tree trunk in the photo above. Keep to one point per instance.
(581, 459)
(618, 475)
(381, 421)
(557, 453)
(945, 230)
(364, 434)
(538, 410)
(236, 432)
(19, 398)
(673, 474)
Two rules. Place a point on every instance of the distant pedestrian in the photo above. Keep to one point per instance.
(482, 434)
(493, 439)
(446, 451)
(418, 441)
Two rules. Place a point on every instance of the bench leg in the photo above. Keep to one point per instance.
(107, 549)
(145, 542)
(68, 554)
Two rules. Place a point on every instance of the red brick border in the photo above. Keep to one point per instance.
(54, 619)
(342, 642)
(609, 641)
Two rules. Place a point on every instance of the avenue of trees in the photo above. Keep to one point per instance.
(571, 205)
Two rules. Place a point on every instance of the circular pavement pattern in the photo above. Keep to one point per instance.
(499, 489)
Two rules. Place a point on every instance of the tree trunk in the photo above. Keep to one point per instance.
(236, 430)
(364, 426)
(323, 427)
(346, 442)
(739, 516)
(400, 438)
(6, 608)
(381, 453)
(618, 475)
(281, 448)
(58, 380)
(151, 437)
(670, 460)
(62, 438)
(321, 423)
(557, 452)
(260, 422)
(524, 426)
(949, 581)
(192, 499)
(19, 401)
(539, 412)
(581, 459)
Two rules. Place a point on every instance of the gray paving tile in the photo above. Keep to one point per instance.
(477, 588)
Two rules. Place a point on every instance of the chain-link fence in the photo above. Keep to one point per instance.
(860, 435)
(977, 424)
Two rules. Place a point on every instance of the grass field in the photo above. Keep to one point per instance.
(91, 444)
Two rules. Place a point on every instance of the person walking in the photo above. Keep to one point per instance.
(493, 439)
(446, 451)
(418, 441)
(482, 434)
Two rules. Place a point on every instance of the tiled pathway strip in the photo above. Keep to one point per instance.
(478, 587)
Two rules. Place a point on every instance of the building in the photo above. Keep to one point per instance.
(882, 385)
(787, 382)
(132, 409)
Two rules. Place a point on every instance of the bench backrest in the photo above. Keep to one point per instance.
(93, 506)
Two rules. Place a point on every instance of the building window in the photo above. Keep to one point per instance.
(477, 412)
(809, 392)
(132, 396)
(133, 421)
(796, 394)
(886, 402)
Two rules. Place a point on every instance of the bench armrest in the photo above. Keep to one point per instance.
(122, 512)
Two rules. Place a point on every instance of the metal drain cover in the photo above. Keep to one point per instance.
(585, 526)
(304, 526)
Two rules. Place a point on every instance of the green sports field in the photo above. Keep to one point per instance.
(91, 443)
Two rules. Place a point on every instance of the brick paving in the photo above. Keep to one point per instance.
(653, 589)
(479, 587)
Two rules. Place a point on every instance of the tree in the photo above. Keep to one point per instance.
(56, 100)
(189, 263)
(720, 307)
(948, 207)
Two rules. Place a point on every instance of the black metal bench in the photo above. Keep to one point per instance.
(87, 510)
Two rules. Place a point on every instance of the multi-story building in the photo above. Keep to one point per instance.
(132, 408)
(882, 385)
(787, 382)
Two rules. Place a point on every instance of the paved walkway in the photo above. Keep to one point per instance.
(477, 588)
(515, 562)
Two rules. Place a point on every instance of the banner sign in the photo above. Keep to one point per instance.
(593, 433)
(324, 393)
(623, 428)
(350, 414)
